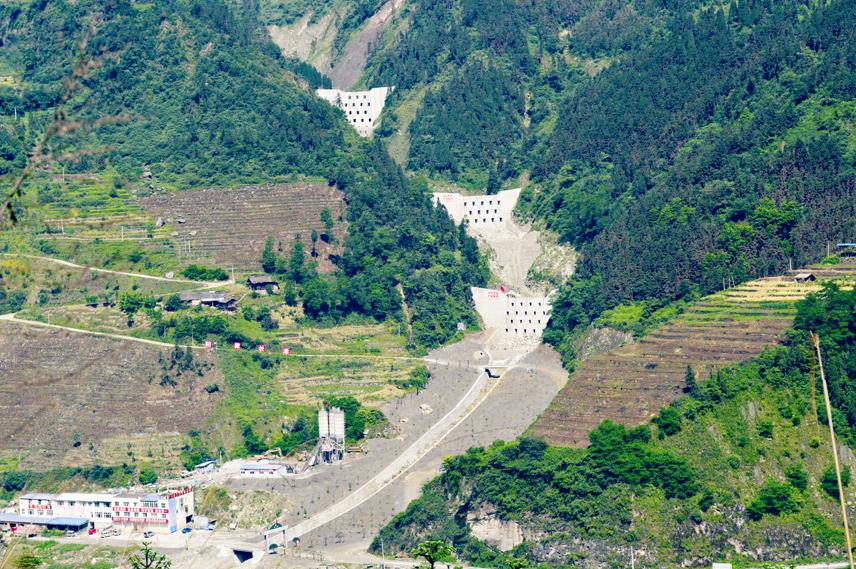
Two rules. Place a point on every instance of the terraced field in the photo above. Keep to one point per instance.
(364, 361)
(231, 225)
(630, 384)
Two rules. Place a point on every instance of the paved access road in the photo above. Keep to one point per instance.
(424, 444)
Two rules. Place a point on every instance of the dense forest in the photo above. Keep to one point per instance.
(680, 147)
(204, 97)
(653, 486)
(718, 154)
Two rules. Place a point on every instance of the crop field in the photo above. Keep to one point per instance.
(51, 284)
(231, 225)
(55, 385)
(309, 380)
(630, 384)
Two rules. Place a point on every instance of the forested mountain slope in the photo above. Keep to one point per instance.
(722, 152)
(681, 147)
(199, 95)
(739, 469)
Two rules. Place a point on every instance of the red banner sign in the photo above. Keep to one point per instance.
(142, 520)
(237, 345)
(209, 343)
(286, 351)
(147, 510)
(180, 493)
(262, 348)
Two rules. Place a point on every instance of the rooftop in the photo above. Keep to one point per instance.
(38, 496)
(19, 519)
(261, 467)
(208, 296)
(261, 279)
(69, 521)
(83, 497)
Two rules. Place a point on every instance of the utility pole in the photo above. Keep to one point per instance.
(816, 339)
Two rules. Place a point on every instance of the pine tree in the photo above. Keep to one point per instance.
(690, 380)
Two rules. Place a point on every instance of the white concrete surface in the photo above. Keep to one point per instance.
(362, 108)
(512, 315)
(480, 211)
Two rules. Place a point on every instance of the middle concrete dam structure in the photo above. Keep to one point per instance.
(480, 211)
(490, 216)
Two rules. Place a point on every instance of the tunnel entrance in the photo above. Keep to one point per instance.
(242, 555)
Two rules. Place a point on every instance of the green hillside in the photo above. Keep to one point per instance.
(680, 147)
(191, 93)
(740, 468)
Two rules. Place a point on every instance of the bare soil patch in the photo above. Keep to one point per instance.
(54, 384)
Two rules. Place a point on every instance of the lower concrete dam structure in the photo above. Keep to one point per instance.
(512, 315)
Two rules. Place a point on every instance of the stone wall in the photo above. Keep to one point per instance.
(362, 108)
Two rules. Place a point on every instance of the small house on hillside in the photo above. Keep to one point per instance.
(207, 466)
(260, 282)
(804, 278)
(215, 298)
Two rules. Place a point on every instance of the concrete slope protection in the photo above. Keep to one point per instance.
(516, 313)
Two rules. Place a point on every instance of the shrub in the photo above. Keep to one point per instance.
(173, 303)
(669, 421)
(200, 273)
(775, 499)
(829, 481)
(797, 477)
(706, 501)
(15, 481)
(765, 429)
(148, 475)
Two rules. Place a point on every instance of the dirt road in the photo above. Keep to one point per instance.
(203, 284)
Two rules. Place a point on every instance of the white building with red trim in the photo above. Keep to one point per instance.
(163, 512)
